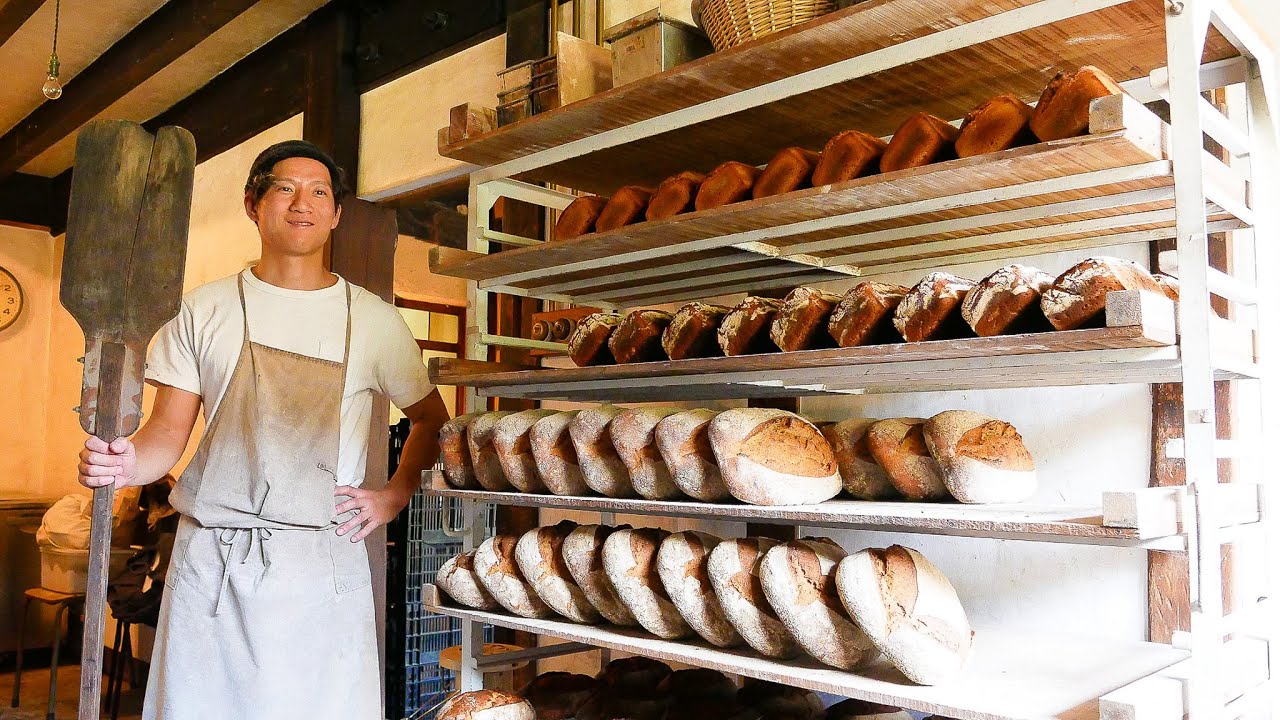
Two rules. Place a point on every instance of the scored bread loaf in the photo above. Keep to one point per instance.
(631, 562)
(860, 474)
(1063, 110)
(931, 309)
(798, 578)
(457, 578)
(698, 684)
(580, 217)
(484, 457)
(773, 457)
(865, 315)
(674, 196)
(898, 446)
(692, 332)
(745, 330)
(801, 322)
(638, 338)
(625, 207)
(602, 469)
(728, 183)
(983, 460)
(851, 154)
(909, 610)
(539, 554)
(1078, 296)
(454, 453)
(790, 169)
(495, 563)
(589, 341)
(734, 567)
(853, 709)
(633, 677)
(682, 440)
(582, 553)
(558, 695)
(997, 124)
(633, 437)
(555, 456)
(1169, 285)
(511, 443)
(920, 140)
(682, 568)
(772, 700)
(486, 705)
(1007, 301)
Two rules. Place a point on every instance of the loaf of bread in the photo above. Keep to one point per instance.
(728, 183)
(1007, 302)
(674, 196)
(633, 677)
(582, 552)
(772, 700)
(789, 170)
(625, 207)
(801, 323)
(696, 684)
(558, 695)
(931, 309)
(511, 443)
(852, 709)
(909, 610)
(1078, 298)
(865, 315)
(682, 568)
(745, 330)
(861, 476)
(605, 705)
(484, 457)
(773, 457)
(851, 154)
(486, 705)
(555, 456)
(983, 460)
(602, 469)
(692, 332)
(1169, 285)
(454, 453)
(1063, 110)
(579, 218)
(496, 566)
(457, 578)
(633, 437)
(920, 140)
(682, 440)
(734, 567)
(898, 446)
(631, 562)
(798, 578)
(997, 124)
(710, 708)
(539, 554)
(638, 338)
(589, 342)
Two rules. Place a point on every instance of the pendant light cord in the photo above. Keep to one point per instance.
(57, 11)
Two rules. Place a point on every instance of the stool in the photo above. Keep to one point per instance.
(63, 602)
(121, 653)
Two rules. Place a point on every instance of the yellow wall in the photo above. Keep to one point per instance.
(24, 365)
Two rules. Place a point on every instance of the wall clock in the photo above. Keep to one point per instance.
(11, 300)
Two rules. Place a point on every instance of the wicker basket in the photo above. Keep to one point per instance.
(733, 22)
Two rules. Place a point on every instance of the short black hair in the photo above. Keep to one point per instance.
(260, 172)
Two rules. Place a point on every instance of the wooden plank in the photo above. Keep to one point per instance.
(1008, 676)
(331, 114)
(13, 14)
(26, 200)
(397, 37)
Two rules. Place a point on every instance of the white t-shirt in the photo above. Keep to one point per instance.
(198, 349)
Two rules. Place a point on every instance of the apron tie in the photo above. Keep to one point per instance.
(227, 538)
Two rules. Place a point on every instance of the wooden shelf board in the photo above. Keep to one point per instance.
(1009, 675)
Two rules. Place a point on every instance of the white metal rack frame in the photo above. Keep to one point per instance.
(1248, 134)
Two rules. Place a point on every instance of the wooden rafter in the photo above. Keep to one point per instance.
(13, 14)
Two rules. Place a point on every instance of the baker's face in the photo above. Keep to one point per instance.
(298, 211)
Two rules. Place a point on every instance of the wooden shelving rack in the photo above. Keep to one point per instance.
(1132, 179)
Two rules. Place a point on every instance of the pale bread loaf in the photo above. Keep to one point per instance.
(682, 440)
(540, 557)
(582, 553)
(486, 705)
(773, 457)
(983, 459)
(860, 474)
(511, 443)
(734, 567)
(455, 455)
(631, 562)
(484, 458)
(682, 567)
(632, 434)
(457, 578)
(898, 446)
(602, 469)
(555, 456)
(497, 569)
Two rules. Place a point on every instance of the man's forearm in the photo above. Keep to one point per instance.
(158, 449)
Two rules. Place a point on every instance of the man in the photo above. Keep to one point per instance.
(268, 611)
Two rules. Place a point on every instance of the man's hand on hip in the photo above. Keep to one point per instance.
(102, 464)
(374, 508)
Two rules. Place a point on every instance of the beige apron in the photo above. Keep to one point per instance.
(267, 613)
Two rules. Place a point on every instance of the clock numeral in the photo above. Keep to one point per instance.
(7, 311)
(6, 287)
(11, 300)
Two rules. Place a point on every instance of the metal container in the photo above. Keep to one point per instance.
(651, 43)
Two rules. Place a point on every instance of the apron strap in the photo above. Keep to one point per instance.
(227, 538)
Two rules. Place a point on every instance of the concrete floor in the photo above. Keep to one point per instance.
(35, 696)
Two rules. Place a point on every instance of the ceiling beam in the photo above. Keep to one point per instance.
(26, 200)
(166, 35)
(13, 14)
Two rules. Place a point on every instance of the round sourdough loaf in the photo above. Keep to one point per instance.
(631, 562)
(457, 579)
(698, 684)
(511, 443)
(454, 453)
(484, 458)
(582, 551)
(632, 433)
(486, 705)
(1078, 297)
(602, 469)
(540, 557)
(734, 566)
(497, 569)
(555, 456)
(558, 695)
(909, 609)
(682, 440)
(1007, 301)
(682, 567)
(772, 700)
(798, 578)
(773, 457)
(983, 459)
(863, 710)
(898, 446)
(633, 677)
(861, 475)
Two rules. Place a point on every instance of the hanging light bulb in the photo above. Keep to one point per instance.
(52, 87)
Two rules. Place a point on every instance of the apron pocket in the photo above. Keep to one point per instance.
(350, 563)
